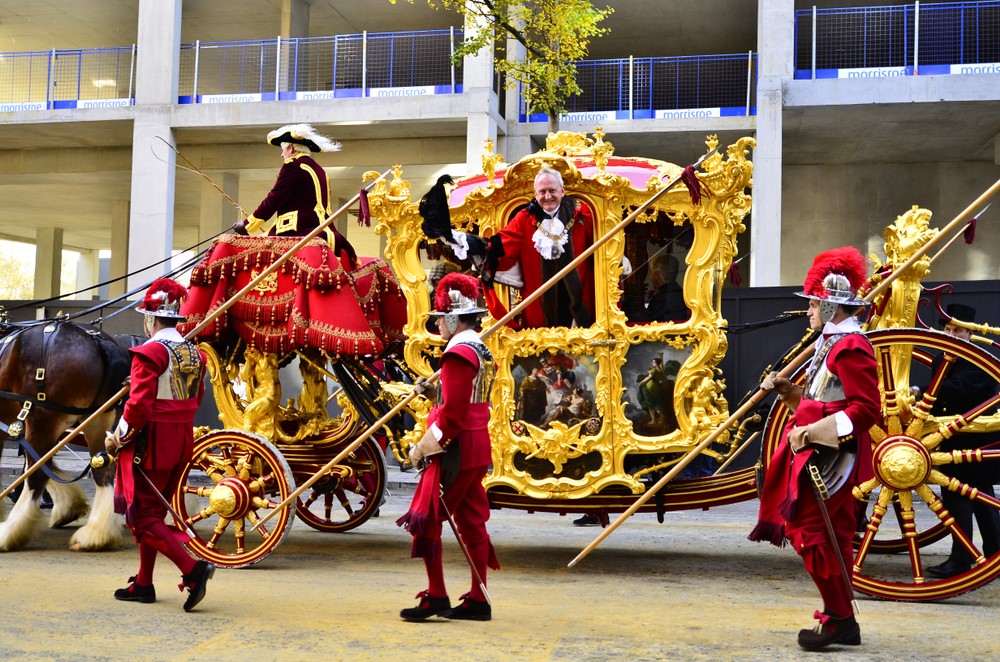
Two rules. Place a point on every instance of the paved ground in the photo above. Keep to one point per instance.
(691, 589)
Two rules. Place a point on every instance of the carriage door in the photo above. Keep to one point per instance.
(582, 404)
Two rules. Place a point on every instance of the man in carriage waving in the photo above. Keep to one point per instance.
(154, 441)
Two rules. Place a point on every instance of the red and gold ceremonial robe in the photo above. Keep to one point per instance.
(573, 298)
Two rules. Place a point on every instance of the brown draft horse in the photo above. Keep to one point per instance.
(77, 368)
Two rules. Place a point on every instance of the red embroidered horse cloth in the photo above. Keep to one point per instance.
(310, 301)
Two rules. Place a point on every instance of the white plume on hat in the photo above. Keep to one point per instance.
(303, 134)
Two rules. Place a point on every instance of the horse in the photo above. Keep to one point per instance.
(54, 375)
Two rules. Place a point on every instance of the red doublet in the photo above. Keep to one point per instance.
(788, 505)
(460, 421)
(518, 246)
(463, 424)
(168, 426)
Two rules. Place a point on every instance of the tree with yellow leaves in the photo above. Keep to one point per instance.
(554, 33)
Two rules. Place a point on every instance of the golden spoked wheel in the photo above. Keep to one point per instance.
(349, 496)
(233, 478)
(905, 512)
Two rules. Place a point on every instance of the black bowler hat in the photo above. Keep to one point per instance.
(958, 311)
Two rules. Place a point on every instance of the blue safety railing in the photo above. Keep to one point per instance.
(74, 78)
(699, 86)
(376, 64)
(898, 40)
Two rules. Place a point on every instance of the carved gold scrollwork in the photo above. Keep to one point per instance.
(909, 233)
(588, 454)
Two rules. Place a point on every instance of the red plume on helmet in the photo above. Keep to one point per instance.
(457, 294)
(846, 261)
(163, 298)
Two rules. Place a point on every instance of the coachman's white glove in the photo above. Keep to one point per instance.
(789, 393)
(821, 433)
(426, 447)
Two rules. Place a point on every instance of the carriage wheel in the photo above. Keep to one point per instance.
(904, 513)
(233, 479)
(349, 496)
(778, 418)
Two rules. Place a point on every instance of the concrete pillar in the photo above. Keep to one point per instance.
(294, 23)
(118, 266)
(295, 18)
(151, 212)
(48, 262)
(88, 274)
(158, 44)
(477, 86)
(515, 53)
(775, 60)
(215, 212)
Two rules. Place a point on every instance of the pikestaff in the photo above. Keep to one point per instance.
(211, 317)
(786, 372)
(687, 176)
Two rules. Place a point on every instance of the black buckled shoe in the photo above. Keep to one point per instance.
(830, 631)
(195, 583)
(589, 519)
(471, 610)
(429, 606)
(947, 569)
(136, 592)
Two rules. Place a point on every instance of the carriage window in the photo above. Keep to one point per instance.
(536, 248)
(653, 291)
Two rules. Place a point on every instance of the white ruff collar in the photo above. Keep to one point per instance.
(549, 238)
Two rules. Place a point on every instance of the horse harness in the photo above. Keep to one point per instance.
(15, 431)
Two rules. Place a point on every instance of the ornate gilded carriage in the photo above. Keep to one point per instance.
(598, 433)
(586, 419)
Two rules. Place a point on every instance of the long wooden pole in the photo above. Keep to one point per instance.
(211, 317)
(514, 312)
(786, 372)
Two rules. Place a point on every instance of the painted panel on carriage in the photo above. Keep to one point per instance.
(555, 395)
(649, 377)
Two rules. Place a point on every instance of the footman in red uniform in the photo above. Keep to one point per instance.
(154, 440)
(456, 448)
(833, 413)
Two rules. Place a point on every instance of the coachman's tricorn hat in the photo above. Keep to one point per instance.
(302, 134)
(163, 299)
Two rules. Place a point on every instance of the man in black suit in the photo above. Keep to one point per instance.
(965, 387)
